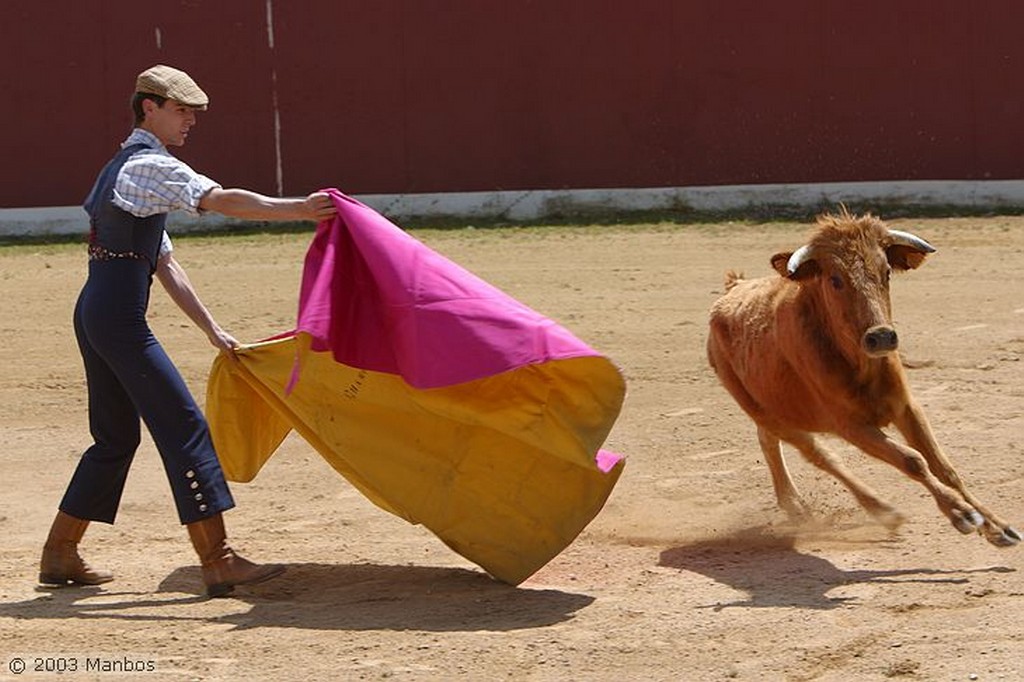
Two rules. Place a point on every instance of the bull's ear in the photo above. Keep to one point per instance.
(806, 268)
(905, 251)
(780, 261)
(902, 257)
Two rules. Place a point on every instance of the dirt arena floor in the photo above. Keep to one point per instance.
(689, 572)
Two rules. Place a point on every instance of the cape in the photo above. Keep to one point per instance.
(442, 399)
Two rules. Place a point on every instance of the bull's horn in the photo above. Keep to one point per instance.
(911, 240)
(797, 259)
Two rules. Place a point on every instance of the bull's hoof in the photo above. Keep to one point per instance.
(797, 511)
(890, 518)
(968, 522)
(1007, 538)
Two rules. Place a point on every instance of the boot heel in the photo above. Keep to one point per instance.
(219, 590)
(222, 569)
(53, 580)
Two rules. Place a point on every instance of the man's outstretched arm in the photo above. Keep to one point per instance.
(247, 205)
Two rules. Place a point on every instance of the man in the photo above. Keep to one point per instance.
(127, 372)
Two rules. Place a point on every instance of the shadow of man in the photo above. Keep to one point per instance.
(327, 597)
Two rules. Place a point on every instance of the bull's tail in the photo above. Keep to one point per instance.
(732, 278)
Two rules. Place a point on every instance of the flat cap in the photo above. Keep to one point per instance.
(166, 81)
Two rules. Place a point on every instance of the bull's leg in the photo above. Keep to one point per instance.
(913, 424)
(786, 494)
(874, 442)
(824, 460)
(785, 490)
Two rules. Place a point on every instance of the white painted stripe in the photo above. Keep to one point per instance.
(279, 165)
(547, 203)
(270, 24)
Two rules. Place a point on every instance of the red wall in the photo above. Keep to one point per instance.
(397, 96)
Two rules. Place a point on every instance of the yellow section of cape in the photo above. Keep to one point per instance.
(501, 469)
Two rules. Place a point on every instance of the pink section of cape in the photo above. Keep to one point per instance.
(379, 299)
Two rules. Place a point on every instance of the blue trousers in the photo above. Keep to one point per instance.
(129, 377)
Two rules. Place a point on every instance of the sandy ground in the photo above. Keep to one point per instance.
(689, 572)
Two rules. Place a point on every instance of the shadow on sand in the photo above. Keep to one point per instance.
(326, 597)
(766, 565)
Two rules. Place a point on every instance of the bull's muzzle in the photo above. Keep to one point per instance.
(880, 340)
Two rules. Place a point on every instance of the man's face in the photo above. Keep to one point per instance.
(171, 122)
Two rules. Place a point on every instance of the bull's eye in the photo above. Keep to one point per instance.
(837, 282)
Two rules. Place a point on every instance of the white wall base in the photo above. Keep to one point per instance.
(527, 205)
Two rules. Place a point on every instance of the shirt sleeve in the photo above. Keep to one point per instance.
(165, 245)
(155, 183)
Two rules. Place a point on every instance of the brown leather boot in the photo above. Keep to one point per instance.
(61, 564)
(222, 568)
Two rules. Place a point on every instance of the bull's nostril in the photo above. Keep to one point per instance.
(881, 340)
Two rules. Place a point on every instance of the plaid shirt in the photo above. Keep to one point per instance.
(152, 181)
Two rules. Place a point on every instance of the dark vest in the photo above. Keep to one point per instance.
(115, 230)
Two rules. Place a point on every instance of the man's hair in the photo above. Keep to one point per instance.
(137, 100)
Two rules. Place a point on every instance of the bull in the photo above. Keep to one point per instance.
(813, 351)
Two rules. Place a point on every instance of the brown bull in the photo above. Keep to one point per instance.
(814, 351)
